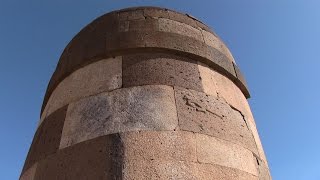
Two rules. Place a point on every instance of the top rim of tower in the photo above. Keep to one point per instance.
(186, 15)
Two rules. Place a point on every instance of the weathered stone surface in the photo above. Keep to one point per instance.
(156, 13)
(29, 173)
(264, 173)
(209, 172)
(160, 145)
(208, 83)
(108, 36)
(215, 42)
(47, 138)
(257, 140)
(127, 109)
(201, 128)
(100, 158)
(131, 15)
(215, 151)
(201, 113)
(159, 68)
(104, 75)
(151, 170)
(168, 25)
(223, 86)
(147, 24)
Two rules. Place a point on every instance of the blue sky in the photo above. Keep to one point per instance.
(275, 43)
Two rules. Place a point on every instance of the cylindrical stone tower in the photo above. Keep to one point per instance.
(146, 93)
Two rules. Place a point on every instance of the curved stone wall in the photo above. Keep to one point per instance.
(146, 93)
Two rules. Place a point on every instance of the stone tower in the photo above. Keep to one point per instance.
(146, 93)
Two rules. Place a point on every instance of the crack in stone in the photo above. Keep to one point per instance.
(198, 107)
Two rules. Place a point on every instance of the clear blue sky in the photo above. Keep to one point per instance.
(275, 42)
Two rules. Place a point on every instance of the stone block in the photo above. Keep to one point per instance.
(160, 145)
(257, 140)
(201, 113)
(47, 138)
(225, 88)
(215, 151)
(160, 68)
(264, 172)
(156, 13)
(213, 171)
(100, 158)
(183, 18)
(208, 83)
(152, 170)
(147, 24)
(104, 75)
(29, 173)
(171, 26)
(131, 15)
(215, 42)
(122, 110)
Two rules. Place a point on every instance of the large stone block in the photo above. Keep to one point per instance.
(29, 173)
(208, 83)
(122, 110)
(201, 113)
(156, 13)
(147, 24)
(160, 145)
(157, 169)
(104, 75)
(100, 158)
(215, 42)
(47, 138)
(159, 68)
(168, 25)
(225, 88)
(215, 151)
(131, 15)
(213, 171)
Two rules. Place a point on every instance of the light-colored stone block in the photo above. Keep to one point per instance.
(208, 83)
(131, 15)
(215, 83)
(212, 171)
(257, 140)
(215, 151)
(104, 75)
(160, 145)
(201, 113)
(168, 25)
(155, 170)
(215, 42)
(30, 173)
(128, 109)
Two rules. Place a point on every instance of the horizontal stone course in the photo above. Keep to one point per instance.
(160, 145)
(214, 41)
(160, 68)
(47, 138)
(127, 109)
(158, 169)
(150, 155)
(201, 113)
(100, 158)
(209, 172)
(168, 25)
(214, 151)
